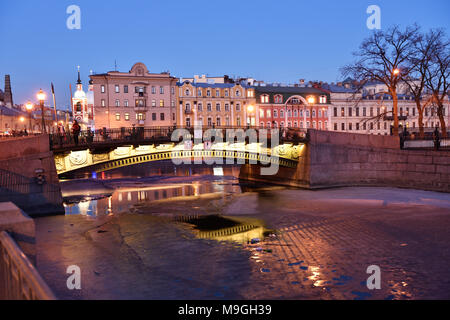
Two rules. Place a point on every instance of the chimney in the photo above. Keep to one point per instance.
(8, 99)
(302, 81)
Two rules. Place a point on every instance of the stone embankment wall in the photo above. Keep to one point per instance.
(23, 162)
(335, 159)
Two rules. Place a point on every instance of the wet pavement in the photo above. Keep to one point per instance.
(208, 237)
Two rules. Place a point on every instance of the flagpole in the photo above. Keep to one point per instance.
(54, 104)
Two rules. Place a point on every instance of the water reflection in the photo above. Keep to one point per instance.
(143, 183)
(241, 230)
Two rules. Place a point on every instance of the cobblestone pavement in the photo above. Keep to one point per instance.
(318, 246)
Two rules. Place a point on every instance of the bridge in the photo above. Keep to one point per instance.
(104, 150)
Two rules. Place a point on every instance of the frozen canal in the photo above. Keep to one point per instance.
(196, 233)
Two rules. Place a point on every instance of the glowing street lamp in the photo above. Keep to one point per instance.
(41, 98)
(29, 107)
(250, 109)
(396, 72)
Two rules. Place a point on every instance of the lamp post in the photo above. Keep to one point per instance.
(41, 98)
(29, 107)
(311, 101)
(250, 109)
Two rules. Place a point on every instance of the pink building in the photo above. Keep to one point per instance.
(137, 97)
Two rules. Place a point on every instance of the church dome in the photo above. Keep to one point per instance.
(79, 94)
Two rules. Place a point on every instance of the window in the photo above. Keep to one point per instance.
(371, 111)
(217, 93)
(350, 126)
(161, 116)
(357, 111)
(227, 121)
(342, 126)
(323, 99)
(268, 113)
(125, 103)
(117, 116)
(335, 112)
(289, 113)
(117, 103)
(226, 93)
(275, 113)
(172, 90)
(127, 117)
(153, 103)
(209, 122)
(208, 93)
(357, 126)
(227, 107)
(188, 107)
(103, 103)
(281, 113)
(320, 113)
(250, 93)
(208, 107)
(125, 88)
(153, 89)
(161, 90)
(217, 106)
(295, 113)
(102, 88)
(117, 89)
(218, 122)
(265, 98)
(278, 99)
(161, 103)
(188, 122)
(140, 116)
(238, 93)
(261, 113)
(154, 116)
(187, 92)
(268, 124)
(314, 113)
(350, 111)
(140, 103)
(238, 107)
(238, 121)
(200, 107)
(199, 92)
(342, 112)
(364, 113)
(335, 126)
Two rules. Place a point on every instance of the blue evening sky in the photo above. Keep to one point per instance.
(275, 41)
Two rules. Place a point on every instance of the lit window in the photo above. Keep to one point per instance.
(127, 116)
(125, 103)
(118, 116)
(103, 88)
(161, 103)
(117, 103)
(117, 89)
(103, 103)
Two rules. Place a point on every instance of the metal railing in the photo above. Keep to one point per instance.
(142, 135)
(19, 279)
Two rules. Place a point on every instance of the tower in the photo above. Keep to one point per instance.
(8, 99)
(79, 105)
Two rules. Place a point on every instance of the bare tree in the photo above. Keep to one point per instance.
(438, 72)
(419, 60)
(383, 57)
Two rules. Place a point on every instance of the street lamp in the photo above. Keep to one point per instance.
(250, 109)
(41, 98)
(29, 107)
(396, 72)
(311, 100)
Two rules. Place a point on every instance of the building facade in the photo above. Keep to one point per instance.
(81, 111)
(291, 106)
(369, 111)
(134, 98)
(214, 104)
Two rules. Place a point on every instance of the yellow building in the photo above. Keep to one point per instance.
(214, 104)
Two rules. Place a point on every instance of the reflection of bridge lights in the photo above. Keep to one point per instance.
(84, 207)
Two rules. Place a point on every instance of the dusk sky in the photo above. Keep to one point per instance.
(275, 41)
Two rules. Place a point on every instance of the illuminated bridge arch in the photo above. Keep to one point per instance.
(286, 155)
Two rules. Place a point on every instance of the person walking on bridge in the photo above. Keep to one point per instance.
(76, 131)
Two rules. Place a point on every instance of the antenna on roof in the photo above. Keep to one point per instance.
(115, 65)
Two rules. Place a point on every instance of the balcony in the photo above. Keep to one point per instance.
(188, 111)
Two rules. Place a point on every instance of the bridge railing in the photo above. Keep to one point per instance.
(19, 279)
(135, 135)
